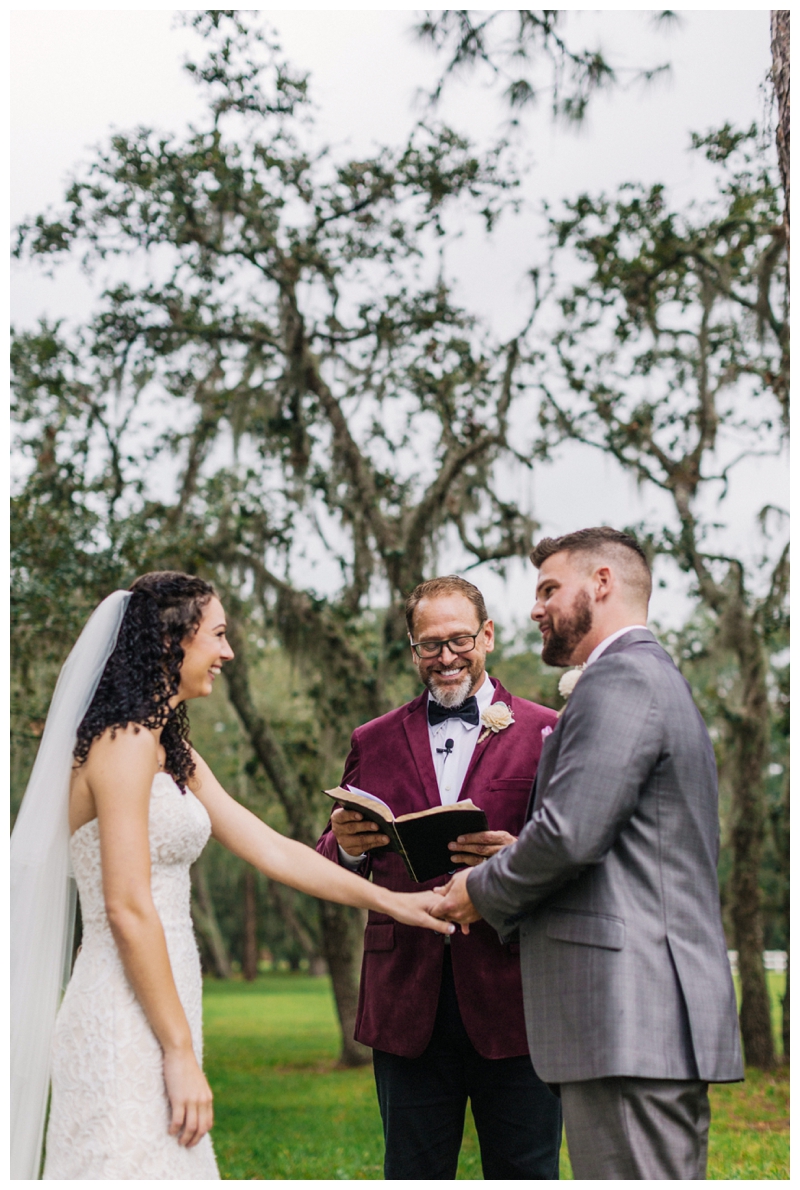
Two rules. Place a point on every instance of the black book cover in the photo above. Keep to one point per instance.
(419, 839)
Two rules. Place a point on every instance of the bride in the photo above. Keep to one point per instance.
(118, 791)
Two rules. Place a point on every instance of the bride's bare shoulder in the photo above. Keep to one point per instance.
(132, 744)
(130, 751)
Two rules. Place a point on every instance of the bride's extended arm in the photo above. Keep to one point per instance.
(299, 866)
(120, 773)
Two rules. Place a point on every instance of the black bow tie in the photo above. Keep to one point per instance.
(468, 711)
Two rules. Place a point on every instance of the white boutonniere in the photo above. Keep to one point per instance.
(567, 684)
(496, 717)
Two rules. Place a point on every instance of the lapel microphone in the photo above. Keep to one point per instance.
(447, 749)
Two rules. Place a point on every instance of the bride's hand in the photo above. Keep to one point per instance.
(415, 909)
(189, 1096)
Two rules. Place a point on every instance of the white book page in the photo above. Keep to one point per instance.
(372, 798)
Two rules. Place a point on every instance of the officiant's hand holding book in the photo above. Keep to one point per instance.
(421, 839)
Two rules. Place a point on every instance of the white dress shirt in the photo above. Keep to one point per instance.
(601, 648)
(450, 769)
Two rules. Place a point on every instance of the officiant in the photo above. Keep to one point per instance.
(445, 1020)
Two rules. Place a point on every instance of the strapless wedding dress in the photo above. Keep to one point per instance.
(109, 1112)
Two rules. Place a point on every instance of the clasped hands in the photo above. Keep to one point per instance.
(455, 904)
(356, 836)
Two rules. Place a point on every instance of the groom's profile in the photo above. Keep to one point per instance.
(612, 884)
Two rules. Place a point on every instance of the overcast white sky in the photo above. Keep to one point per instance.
(75, 74)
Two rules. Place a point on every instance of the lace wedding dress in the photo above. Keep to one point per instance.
(109, 1112)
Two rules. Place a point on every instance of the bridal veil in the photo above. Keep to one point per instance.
(43, 893)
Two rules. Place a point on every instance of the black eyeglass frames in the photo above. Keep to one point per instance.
(458, 644)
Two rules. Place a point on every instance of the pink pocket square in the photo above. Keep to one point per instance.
(546, 731)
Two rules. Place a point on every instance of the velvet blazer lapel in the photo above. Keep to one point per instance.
(415, 726)
(480, 750)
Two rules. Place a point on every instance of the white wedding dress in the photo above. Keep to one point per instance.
(109, 1113)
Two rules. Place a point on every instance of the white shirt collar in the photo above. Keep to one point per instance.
(485, 695)
(601, 648)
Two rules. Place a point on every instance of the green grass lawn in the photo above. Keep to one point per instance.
(283, 1111)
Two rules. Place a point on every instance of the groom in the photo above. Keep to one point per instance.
(628, 994)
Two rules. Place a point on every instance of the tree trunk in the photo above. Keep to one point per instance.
(250, 956)
(342, 944)
(749, 758)
(785, 1019)
(746, 916)
(205, 921)
(779, 28)
(342, 932)
(284, 907)
(786, 915)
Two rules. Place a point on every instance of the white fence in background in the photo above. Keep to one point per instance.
(774, 960)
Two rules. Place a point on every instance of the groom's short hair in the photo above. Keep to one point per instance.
(602, 542)
(448, 584)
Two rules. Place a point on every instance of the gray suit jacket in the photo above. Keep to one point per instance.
(613, 884)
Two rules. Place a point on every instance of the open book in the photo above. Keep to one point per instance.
(419, 839)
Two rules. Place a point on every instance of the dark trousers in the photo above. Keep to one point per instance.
(423, 1101)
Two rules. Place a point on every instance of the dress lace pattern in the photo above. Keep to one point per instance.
(109, 1112)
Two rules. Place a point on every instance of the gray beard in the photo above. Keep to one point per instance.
(454, 696)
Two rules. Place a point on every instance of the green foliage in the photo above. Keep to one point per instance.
(679, 315)
(290, 368)
(290, 380)
(713, 674)
(517, 663)
(528, 54)
(218, 735)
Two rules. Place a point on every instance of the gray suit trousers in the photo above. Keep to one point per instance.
(626, 1129)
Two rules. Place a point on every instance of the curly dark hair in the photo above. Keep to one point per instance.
(143, 672)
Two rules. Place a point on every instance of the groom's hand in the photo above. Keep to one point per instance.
(475, 848)
(354, 833)
(455, 904)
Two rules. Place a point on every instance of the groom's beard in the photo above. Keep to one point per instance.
(453, 696)
(562, 642)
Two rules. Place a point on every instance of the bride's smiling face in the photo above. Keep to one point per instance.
(204, 653)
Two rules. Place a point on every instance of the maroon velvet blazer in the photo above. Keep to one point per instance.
(402, 969)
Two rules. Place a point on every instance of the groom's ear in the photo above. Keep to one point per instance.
(488, 635)
(604, 583)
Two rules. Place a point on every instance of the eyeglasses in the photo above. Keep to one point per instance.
(459, 644)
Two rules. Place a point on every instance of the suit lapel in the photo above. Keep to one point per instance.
(479, 751)
(549, 756)
(415, 725)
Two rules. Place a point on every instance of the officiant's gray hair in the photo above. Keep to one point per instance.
(603, 542)
(448, 584)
